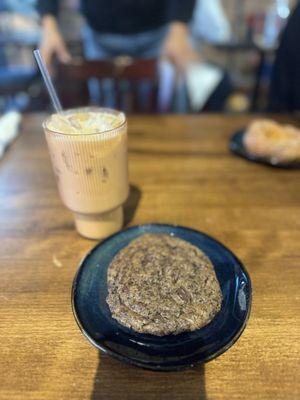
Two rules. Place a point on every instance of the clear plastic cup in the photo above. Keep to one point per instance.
(91, 170)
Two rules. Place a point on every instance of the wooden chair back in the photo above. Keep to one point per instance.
(133, 83)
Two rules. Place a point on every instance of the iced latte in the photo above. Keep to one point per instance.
(88, 149)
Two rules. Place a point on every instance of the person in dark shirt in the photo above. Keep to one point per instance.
(284, 94)
(138, 28)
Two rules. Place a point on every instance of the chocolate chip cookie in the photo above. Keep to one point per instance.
(162, 285)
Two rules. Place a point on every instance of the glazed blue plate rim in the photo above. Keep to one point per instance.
(237, 147)
(158, 367)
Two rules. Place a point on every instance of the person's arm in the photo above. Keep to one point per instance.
(177, 47)
(52, 42)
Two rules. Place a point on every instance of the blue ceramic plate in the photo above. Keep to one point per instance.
(172, 352)
(236, 145)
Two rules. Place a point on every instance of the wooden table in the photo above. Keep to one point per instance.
(182, 173)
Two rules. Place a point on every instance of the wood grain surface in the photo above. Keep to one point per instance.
(181, 172)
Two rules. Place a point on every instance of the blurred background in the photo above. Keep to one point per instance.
(236, 40)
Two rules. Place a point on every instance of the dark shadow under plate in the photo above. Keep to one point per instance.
(172, 352)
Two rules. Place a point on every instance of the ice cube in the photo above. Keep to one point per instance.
(84, 122)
